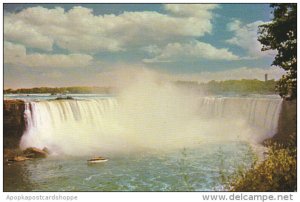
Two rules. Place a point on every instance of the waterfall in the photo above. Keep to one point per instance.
(107, 124)
(67, 122)
(258, 112)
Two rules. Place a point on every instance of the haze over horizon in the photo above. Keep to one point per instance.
(59, 45)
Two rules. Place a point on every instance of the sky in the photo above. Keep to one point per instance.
(84, 44)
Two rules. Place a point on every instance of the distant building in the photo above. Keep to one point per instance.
(266, 77)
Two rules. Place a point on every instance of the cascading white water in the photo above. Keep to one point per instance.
(64, 125)
(80, 127)
(258, 112)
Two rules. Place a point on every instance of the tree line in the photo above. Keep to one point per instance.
(59, 90)
(244, 86)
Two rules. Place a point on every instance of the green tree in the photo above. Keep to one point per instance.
(281, 34)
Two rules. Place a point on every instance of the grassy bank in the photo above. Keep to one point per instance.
(278, 172)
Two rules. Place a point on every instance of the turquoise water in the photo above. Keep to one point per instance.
(197, 169)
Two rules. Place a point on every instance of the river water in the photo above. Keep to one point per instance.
(144, 155)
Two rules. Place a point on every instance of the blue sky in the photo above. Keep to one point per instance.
(82, 44)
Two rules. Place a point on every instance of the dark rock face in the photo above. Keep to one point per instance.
(287, 124)
(13, 122)
(11, 153)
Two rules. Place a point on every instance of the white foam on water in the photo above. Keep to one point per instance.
(147, 113)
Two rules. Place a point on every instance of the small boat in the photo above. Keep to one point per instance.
(97, 160)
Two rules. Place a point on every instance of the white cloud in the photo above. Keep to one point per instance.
(79, 30)
(187, 10)
(152, 49)
(193, 49)
(16, 54)
(245, 36)
(17, 30)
